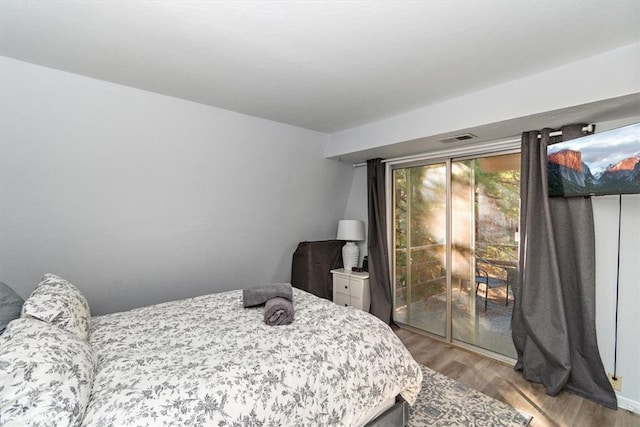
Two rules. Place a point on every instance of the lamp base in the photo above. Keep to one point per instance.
(350, 255)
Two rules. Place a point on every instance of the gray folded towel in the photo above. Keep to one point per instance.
(278, 311)
(261, 294)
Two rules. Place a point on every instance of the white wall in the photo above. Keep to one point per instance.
(357, 206)
(605, 210)
(140, 198)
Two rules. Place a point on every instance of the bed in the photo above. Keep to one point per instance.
(199, 361)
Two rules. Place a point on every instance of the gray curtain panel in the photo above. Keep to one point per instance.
(379, 279)
(553, 324)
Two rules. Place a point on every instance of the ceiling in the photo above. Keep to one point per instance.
(320, 65)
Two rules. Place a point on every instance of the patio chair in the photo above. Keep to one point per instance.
(486, 274)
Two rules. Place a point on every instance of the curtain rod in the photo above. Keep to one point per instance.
(588, 129)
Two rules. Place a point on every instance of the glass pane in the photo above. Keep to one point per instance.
(485, 216)
(419, 247)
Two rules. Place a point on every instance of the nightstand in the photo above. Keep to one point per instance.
(351, 288)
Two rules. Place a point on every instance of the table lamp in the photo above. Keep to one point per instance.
(351, 231)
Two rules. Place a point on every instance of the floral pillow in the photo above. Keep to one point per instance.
(60, 303)
(46, 375)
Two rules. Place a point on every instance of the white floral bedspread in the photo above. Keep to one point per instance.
(208, 361)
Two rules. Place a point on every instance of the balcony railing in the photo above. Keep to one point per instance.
(424, 269)
(421, 267)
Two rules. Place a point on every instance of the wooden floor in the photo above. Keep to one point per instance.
(501, 382)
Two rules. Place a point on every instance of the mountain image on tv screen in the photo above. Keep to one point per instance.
(595, 165)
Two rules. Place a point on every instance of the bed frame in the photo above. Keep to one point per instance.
(397, 415)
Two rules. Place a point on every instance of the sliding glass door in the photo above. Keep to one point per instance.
(420, 247)
(455, 249)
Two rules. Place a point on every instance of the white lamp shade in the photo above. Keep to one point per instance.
(350, 230)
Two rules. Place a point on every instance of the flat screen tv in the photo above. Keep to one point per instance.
(596, 165)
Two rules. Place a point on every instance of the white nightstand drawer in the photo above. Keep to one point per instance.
(351, 288)
(341, 285)
(356, 288)
(342, 299)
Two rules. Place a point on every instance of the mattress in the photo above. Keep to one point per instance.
(208, 361)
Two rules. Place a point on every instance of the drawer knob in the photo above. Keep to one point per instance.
(346, 287)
